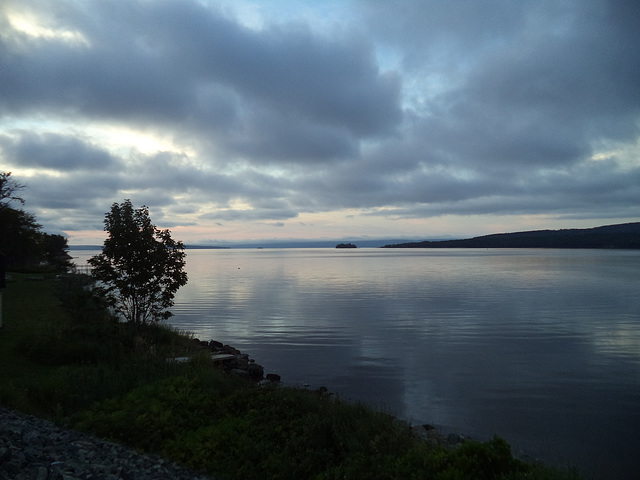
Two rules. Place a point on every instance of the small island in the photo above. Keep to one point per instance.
(346, 245)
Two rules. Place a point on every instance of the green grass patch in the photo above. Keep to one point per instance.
(26, 302)
(65, 357)
(61, 351)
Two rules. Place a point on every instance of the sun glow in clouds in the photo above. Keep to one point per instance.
(123, 139)
(627, 156)
(30, 25)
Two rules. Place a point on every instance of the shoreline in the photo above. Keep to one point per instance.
(236, 363)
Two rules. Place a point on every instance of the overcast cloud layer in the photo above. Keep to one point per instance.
(249, 120)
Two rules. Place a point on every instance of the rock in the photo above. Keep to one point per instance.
(234, 362)
(5, 454)
(322, 391)
(13, 467)
(454, 439)
(256, 372)
(222, 357)
(42, 474)
(242, 361)
(273, 377)
(231, 350)
(179, 359)
(429, 434)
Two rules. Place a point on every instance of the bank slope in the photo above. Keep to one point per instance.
(621, 236)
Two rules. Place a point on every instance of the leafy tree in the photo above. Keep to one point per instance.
(19, 237)
(141, 267)
(22, 241)
(54, 251)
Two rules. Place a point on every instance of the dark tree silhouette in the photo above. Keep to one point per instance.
(141, 267)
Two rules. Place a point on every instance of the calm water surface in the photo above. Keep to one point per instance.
(541, 347)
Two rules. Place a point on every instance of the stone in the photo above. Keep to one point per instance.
(5, 454)
(42, 474)
(273, 377)
(429, 434)
(230, 349)
(13, 467)
(454, 439)
(222, 357)
(256, 372)
(242, 361)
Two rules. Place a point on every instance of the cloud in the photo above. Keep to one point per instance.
(157, 60)
(251, 215)
(54, 151)
(210, 116)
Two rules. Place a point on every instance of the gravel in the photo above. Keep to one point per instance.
(35, 449)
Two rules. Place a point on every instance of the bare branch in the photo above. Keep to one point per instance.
(9, 188)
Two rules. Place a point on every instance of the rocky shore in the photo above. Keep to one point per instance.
(234, 362)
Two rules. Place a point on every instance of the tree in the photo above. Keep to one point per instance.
(19, 231)
(19, 237)
(54, 251)
(8, 189)
(141, 267)
(22, 241)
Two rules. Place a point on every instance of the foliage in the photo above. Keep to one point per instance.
(54, 251)
(22, 241)
(238, 430)
(19, 237)
(141, 267)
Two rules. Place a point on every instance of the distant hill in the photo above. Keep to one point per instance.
(625, 235)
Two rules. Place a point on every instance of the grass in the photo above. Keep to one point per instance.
(63, 351)
(26, 302)
(65, 358)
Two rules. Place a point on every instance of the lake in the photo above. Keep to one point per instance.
(541, 347)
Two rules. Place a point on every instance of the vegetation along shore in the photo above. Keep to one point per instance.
(66, 359)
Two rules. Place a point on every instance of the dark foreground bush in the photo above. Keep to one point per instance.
(239, 431)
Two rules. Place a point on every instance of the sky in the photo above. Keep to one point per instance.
(238, 121)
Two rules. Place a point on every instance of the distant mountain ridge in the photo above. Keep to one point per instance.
(621, 236)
